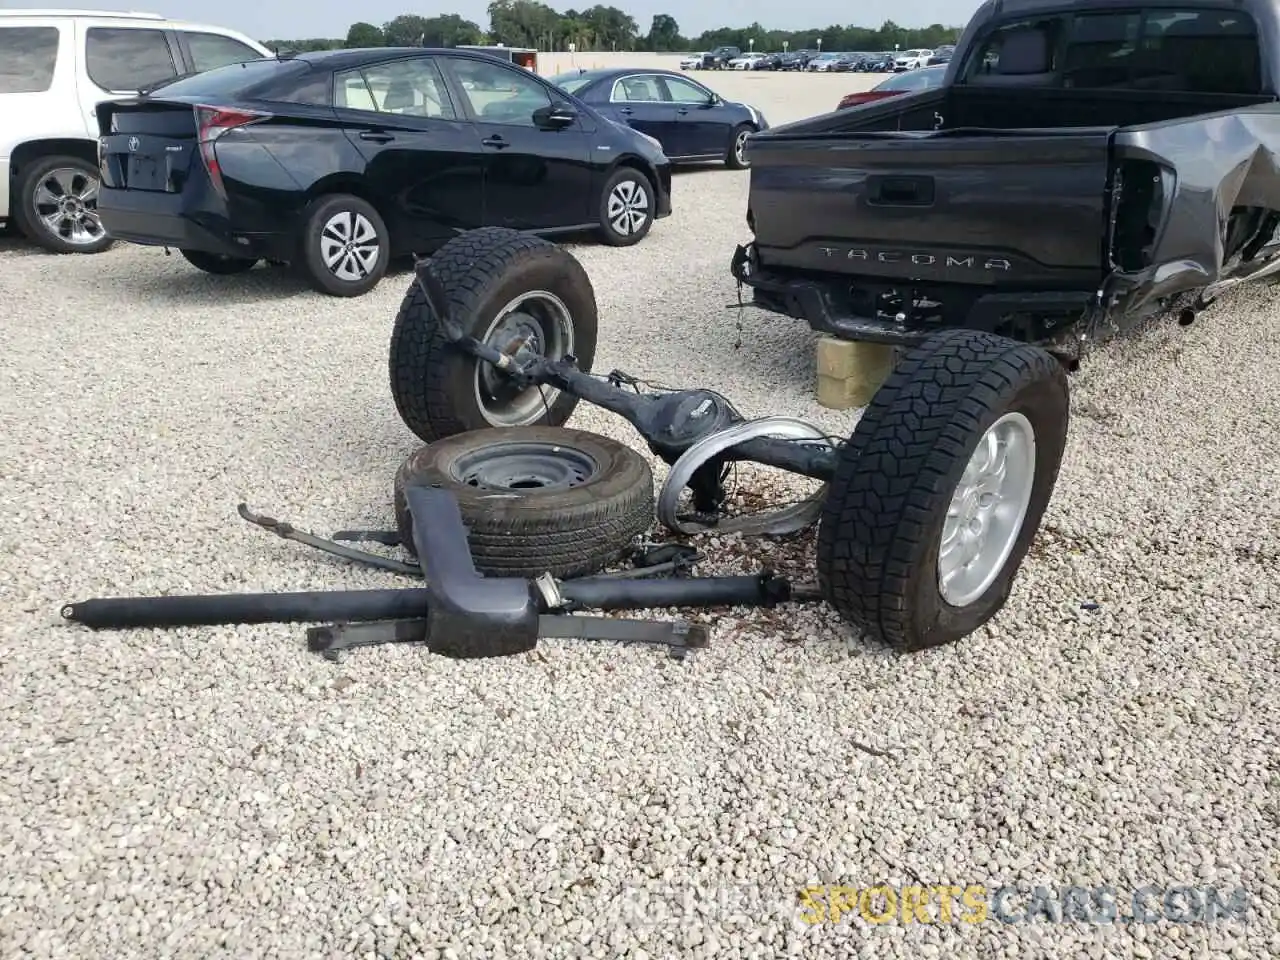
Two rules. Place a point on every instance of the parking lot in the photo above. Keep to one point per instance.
(222, 791)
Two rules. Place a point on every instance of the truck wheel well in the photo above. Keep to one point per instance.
(32, 150)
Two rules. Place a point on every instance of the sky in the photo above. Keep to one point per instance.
(330, 18)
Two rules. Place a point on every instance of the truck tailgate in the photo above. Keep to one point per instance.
(973, 207)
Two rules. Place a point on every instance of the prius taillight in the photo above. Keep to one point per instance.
(212, 123)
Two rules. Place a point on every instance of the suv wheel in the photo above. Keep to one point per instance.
(57, 205)
(345, 246)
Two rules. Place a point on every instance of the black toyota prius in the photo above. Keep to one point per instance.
(336, 162)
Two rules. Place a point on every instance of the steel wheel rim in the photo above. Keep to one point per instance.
(66, 205)
(987, 510)
(740, 147)
(541, 323)
(520, 466)
(349, 246)
(627, 209)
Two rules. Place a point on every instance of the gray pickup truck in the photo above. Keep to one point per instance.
(1083, 165)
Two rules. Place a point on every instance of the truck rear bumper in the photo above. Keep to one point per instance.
(1024, 315)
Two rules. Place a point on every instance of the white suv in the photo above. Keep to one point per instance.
(55, 66)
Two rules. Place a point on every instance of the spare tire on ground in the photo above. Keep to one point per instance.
(502, 287)
(536, 499)
(941, 488)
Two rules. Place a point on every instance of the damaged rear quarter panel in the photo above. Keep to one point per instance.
(1220, 161)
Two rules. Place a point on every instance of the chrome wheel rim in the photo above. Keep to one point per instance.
(349, 246)
(987, 510)
(628, 208)
(521, 466)
(66, 205)
(740, 147)
(537, 322)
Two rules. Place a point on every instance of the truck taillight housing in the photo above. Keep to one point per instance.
(213, 123)
(867, 96)
(1142, 192)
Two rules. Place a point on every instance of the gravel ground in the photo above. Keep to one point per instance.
(220, 791)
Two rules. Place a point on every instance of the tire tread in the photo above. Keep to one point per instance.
(894, 472)
(468, 267)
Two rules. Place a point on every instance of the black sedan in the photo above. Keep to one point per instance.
(691, 122)
(337, 161)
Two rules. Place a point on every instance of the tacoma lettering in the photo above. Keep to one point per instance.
(970, 262)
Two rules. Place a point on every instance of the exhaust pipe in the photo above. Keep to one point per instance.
(212, 610)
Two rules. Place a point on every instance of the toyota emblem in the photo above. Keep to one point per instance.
(133, 144)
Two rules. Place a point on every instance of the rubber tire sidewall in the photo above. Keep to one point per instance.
(567, 533)
(312, 266)
(896, 529)
(24, 209)
(216, 264)
(432, 381)
(731, 158)
(607, 233)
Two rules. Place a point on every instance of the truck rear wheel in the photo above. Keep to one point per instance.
(502, 287)
(941, 489)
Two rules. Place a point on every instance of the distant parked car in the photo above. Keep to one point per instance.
(823, 62)
(337, 161)
(795, 60)
(941, 55)
(745, 62)
(911, 59)
(54, 66)
(925, 78)
(693, 61)
(770, 61)
(691, 122)
(877, 63)
(718, 59)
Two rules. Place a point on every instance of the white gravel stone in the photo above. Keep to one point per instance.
(194, 792)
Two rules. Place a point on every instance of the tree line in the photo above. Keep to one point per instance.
(528, 23)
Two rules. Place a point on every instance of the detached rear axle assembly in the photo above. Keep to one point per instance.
(925, 515)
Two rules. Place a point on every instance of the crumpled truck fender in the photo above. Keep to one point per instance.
(1211, 163)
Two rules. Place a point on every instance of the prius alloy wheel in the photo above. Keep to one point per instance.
(344, 246)
(626, 208)
(349, 246)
